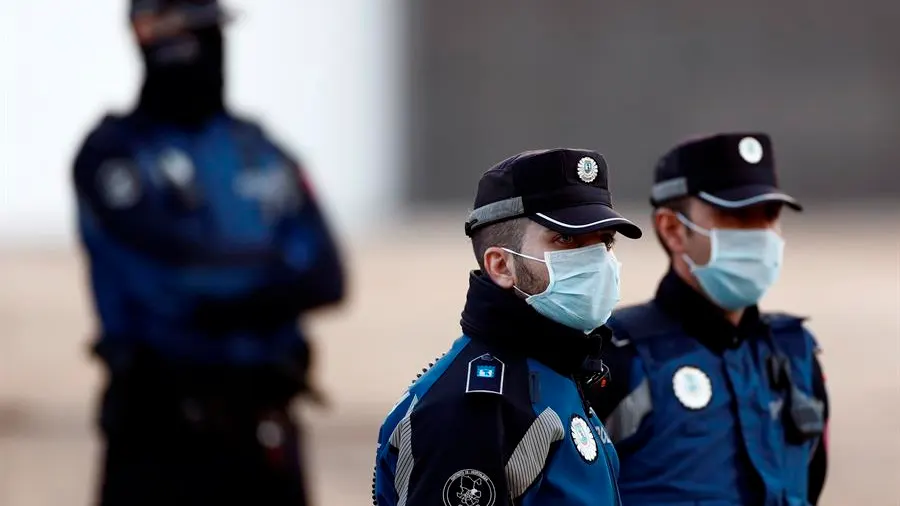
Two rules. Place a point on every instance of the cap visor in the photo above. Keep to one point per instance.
(746, 196)
(585, 219)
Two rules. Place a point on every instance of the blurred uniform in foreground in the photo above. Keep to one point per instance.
(205, 246)
(501, 418)
(711, 401)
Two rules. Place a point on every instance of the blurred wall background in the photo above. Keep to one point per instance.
(397, 107)
(489, 79)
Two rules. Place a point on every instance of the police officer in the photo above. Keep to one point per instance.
(205, 246)
(711, 401)
(500, 418)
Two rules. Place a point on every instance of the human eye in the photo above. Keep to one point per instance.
(563, 239)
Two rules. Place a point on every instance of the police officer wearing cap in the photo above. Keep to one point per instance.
(205, 246)
(501, 419)
(710, 400)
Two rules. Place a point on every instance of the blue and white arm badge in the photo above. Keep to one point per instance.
(485, 375)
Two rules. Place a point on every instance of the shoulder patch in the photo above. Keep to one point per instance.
(118, 184)
(485, 375)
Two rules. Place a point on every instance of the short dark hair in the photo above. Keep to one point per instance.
(505, 234)
(679, 206)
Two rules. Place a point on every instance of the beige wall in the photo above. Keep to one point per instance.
(842, 269)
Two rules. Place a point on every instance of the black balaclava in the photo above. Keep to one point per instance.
(184, 77)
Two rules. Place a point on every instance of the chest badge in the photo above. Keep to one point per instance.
(692, 387)
(583, 438)
(177, 167)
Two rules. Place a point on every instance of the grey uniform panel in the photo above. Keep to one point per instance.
(626, 418)
(528, 459)
(401, 439)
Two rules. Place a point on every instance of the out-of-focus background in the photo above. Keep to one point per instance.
(397, 107)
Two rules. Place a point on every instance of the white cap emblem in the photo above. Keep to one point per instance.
(587, 169)
(750, 149)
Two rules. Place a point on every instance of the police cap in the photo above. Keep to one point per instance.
(175, 15)
(565, 190)
(728, 171)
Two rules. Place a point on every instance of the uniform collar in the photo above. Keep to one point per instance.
(703, 319)
(501, 319)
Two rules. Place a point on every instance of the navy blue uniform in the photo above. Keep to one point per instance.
(500, 419)
(205, 246)
(705, 412)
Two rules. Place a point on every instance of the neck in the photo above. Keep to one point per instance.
(497, 316)
(186, 101)
(684, 272)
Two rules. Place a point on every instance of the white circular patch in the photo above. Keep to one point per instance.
(587, 169)
(469, 487)
(583, 438)
(118, 184)
(750, 149)
(177, 167)
(692, 387)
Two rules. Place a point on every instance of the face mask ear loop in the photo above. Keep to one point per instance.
(523, 255)
(693, 226)
(516, 288)
(523, 292)
(702, 231)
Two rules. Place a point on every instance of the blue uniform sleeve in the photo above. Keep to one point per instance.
(624, 402)
(818, 464)
(452, 452)
(313, 250)
(312, 274)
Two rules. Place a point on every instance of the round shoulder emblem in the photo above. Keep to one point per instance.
(587, 169)
(750, 149)
(583, 438)
(119, 184)
(692, 387)
(469, 487)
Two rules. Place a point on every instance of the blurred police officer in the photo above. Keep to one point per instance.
(501, 418)
(205, 246)
(711, 401)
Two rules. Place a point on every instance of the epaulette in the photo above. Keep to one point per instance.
(782, 320)
(485, 375)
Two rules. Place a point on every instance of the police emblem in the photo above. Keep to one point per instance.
(587, 169)
(583, 438)
(119, 184)
(469, 487)
(750, 150)
(692, 387)
(177, 167)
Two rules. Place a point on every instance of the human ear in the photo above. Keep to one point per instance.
(497, 266)
(671, 231)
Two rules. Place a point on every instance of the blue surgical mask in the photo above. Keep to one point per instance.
(583, 289)
(743, 264)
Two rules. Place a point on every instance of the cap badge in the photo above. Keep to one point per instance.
(587, 169)
(750, 149)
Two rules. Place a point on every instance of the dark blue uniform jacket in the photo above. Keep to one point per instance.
(705, 412)
(500, 418)
(204, 245)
